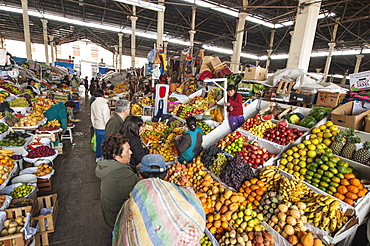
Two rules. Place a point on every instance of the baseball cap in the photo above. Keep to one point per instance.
(153, 163)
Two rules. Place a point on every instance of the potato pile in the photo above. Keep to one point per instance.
(43, 169)
(12, 226)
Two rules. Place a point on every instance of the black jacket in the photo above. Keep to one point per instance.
(138, 151)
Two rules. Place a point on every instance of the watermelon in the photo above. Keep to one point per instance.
(267, 117)
(284, 123)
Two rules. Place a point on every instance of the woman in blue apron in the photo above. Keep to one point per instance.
(190, 143)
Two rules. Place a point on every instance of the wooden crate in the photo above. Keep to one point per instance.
(18, 238)
(285, 87)
(45, 202)
(42, 238)
(44, 185)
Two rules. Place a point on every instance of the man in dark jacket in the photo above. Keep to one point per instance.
(115, 122)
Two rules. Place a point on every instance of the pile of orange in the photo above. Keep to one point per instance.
(350, 189)
(217, 223)
(253, 191)
(6, 161)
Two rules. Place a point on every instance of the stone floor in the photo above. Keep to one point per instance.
(79, 219)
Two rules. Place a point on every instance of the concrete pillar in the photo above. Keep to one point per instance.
(133, 39)
(45, 33)
(26, 30)
(192, 31)
(51, 37)
(257, 63)
(358, 63)
(120, 35)
(239, 41)
(344, 79)
(328, 60)
(232, 57)
(116, 57)
(160, 26)
(318, 70)
(269, 51)
(2, 42)
(304, 34)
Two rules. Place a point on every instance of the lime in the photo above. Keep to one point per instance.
(315, 184)
(328, 174)
(303, 158)
(324, 167)
(306, 142)
(320, 171)
(311, 153)
(302, 164)
(303, 171)
(308, 177)
(309, 160)
(332, 189)
(324, 158)
(311, 147)
(309, 173)
(317, 175)
(334, 184)
(326, 179)
(340, 175)
(330, 163)
(330, 192)
(333, 170)
(313, 169)
(322, 188)
(319, 161)
(324, 184)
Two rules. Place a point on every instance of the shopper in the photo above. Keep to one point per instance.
(131, 128)
(117, 177)
(103, 84)
(100, 114)
(59, 112)
(31, 86)
(93, 87)
(153, 166)
(234, 107)
(115, 122)
(190, 143)
(160, 213)
(75, 82)
(86, 84)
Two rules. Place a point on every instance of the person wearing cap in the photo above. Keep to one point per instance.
(118, 178)
(190, 143)
(234, 107)
(115, 122)
(153, 166)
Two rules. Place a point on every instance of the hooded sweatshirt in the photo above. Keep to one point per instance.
(117, 181)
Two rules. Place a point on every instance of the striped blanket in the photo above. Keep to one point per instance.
(160, 213)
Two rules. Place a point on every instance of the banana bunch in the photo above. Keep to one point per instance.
(136, 109)
(178, 130)
(271, 176)
(145, 101)
(53, 123)
(293, 189)
(171, 138)
(6, 152)
(324, 212)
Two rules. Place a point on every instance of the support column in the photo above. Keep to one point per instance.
(239, 41)
(160, 26)
(26, 29)
(165, 44)
(133, 39)
(116, 57)
(358, 63)
(192, 31)
(2, 42)
(269, 51)
(120, 35)
(304, 34)
(232, 57)
(45, 33)
(328, 60)
(51, 37)
(344, 79)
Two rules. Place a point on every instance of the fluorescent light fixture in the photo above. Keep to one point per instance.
(217, 49)
(144, 4)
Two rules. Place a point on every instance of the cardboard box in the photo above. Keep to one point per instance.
(301, 97)
(342, 116)
(255, 73)
(367, 123)
(359, 81)
(329, 99)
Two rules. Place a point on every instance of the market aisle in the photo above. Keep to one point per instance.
(79, 218)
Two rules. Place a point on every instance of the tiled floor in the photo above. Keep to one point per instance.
(79, 219)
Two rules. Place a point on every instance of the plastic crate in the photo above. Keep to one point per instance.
(45, 202)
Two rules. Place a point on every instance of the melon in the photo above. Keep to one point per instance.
(282, 123)
(267, 117)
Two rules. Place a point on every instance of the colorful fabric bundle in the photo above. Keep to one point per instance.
(160, 213)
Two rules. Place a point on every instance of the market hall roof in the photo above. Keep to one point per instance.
(215, 27)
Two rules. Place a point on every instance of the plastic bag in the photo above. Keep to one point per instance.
(44, 211)
(93, 142)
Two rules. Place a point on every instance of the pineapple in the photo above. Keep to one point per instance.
(350, 147)
(362, 155)
(337, 144)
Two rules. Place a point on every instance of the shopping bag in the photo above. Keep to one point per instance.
(93, 142)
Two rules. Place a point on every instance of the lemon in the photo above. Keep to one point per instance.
(322, 127)
(311, 154)
(289, 152)
(334, 128)
(295, 149)
(302, 152)
(315, 141)
(329, 123)
(311, 147)
(327, 135)
(301, 146)
(283, 161)
(312, 136)
(316, 130)
(327, 142)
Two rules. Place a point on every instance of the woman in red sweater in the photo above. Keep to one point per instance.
(234, 107)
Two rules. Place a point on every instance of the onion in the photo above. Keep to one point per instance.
(289, 230)
(291, 220)
(274, 219)
(301, 205)
(282, 216)
(283, 208)
(295, 213)
(293, 207)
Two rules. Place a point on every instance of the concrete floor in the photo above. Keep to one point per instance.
(80, 220)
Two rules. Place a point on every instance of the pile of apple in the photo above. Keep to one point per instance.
(232, 143)
(251, 122)
(282, 134)
(254, 155)
(41, 151)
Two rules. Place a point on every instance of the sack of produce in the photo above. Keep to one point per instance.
(160, 213)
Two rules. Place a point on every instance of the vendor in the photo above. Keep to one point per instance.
(59, 112)
(234, 107)
(117, 177)
(190, 143)
(31, 86)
